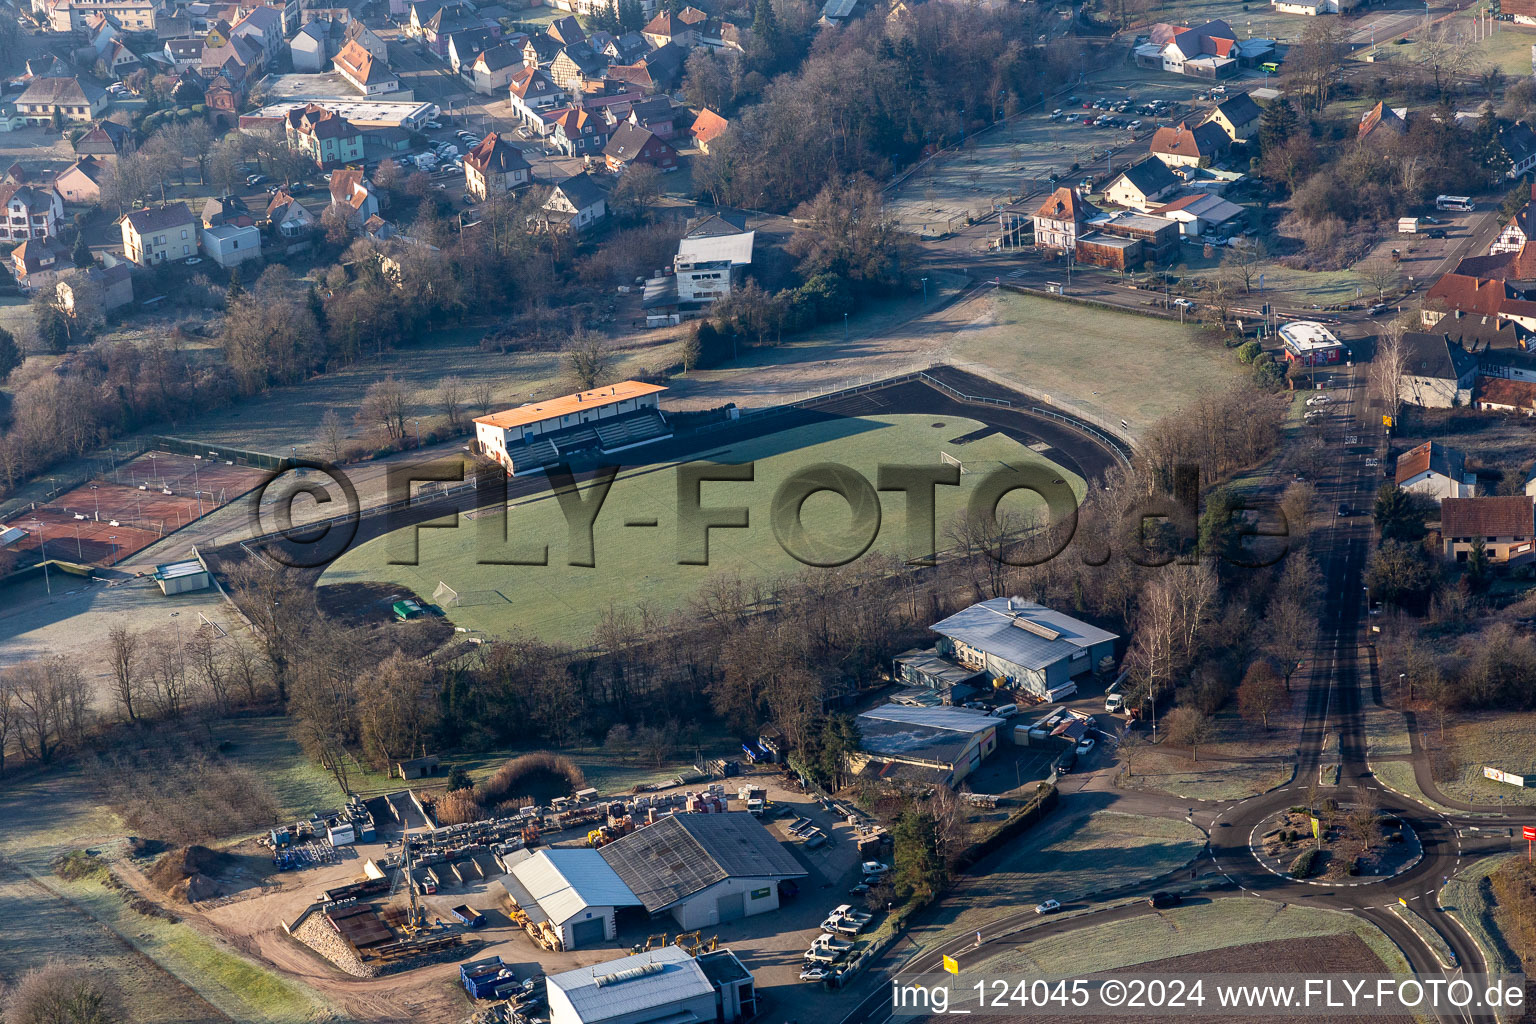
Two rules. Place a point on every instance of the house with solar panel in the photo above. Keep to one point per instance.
(1026, 645)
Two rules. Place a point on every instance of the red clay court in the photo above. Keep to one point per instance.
(154, 495)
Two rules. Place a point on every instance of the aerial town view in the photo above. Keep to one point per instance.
(767, 511)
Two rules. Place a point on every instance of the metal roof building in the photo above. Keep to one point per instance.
(1026, 644)
(575, 890)
(664, 986)
(943, 744)
(704, 869)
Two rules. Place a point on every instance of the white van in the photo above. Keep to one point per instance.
(1005, 710)
(1114, 701)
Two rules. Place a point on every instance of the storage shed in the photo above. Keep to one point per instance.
(575, 890)
(182, 577)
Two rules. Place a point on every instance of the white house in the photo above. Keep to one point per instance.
(1060, 220)
(706, 267)
(575, 204)
(310, 49)
(229, 234)
(532, 95)
(1200, 213)
(31, 211)
(1436, 470)
(1141, 185)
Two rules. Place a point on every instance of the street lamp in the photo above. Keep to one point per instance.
(925, 291)
(113, 538)
(43, 541)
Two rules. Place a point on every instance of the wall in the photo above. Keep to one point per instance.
(700, 910)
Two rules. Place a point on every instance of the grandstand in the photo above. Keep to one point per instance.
(601, 421)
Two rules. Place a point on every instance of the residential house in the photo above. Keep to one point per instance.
(1435, 470)
(493, 69)
(237, 56)
(566, 31)
(681, 28)
(351, 195)
(289, 217)
(465, 46)
(364, 72)
(1382, 122)
(1518, 142)
(708, 127)
(99, 34)
(1520, 229)
(447, 22)
(72, 16)
(532, 95)
(1060, 220)
(540, 51)
(422, 12)
(1438, 372)
(1499, 394)
(1473, 294)
(629, 144)
(1205, 51)
(1141, 185)
(1201, 214)
(183, 52)
(264, 27)
(576, 66)
(114, 286)
(1238, 116)
(1504, 525)
(31, 211)
(310, 50)
(70, 100)
(121, 61)
(324, 136)
(38, 263)
(106, 141)
(575, 204)
(80, 182)
(378, 229)
(161, 234)
(625, 49)
(717, 36)
(1183, 146)
(229, 232)
(579, 133)
(367, 38)
(657, 115)
(657, 72)
(493, 167)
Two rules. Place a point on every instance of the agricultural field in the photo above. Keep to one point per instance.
(557, 601)
(1068, 855)
(1098, 363)
(1230, 928)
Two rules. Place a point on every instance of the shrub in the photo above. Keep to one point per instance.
(513, 778)
(1248, 351)
(456, 807)
(77, 864)
(1304, 864)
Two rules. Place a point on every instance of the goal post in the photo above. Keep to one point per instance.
(949, 459)
(445, 596)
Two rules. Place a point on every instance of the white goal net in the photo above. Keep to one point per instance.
(945, 457)
(445, 596)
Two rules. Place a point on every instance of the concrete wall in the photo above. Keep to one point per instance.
(702, 911)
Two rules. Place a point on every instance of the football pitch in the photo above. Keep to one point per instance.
(640, 555)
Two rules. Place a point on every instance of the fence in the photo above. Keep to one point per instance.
(239, 456)
(71, 475)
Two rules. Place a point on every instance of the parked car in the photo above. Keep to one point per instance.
(1345, 510)
(1048, 907)
(255, 179)
(862, 889)
(1184, 304)
(1319, 400)
(1066, 762)
(1164, 899)
(1135, 125)
(813, 973)
(1085, 745)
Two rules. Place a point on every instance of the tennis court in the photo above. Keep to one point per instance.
(140, 501)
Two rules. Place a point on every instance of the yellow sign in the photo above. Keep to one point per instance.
(1402, 901)
(1386, 420)
(951, 965)
(1314, 829)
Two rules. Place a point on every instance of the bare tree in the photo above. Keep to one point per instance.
(125, 655)
(383, 407)
(1379, 273)
(1244, 257)
(1446, 52)
(450, 393)
(8, 718)
(1261, 694)
(1364, 819)
(333, 438)
(482, 394)
(587, 359)
(1389, 365)
(1188, 726)
(57, 994)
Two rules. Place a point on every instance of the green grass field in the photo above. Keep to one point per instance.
(641, 564)
(1142, 368)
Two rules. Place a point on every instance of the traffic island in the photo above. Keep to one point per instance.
(1341, 844)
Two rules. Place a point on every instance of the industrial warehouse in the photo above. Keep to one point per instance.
(702, 869)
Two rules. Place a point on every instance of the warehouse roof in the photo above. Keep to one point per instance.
(938, 735)
(1025, 633)
(537, 412)
(564, 882)
(632, 984)
(706, 248)
(686, 853)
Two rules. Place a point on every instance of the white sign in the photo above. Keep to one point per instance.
(1501, 776)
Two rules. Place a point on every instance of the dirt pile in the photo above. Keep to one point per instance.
(187, 872)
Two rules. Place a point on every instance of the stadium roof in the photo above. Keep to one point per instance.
(1021, 632)
(686, 853)
(538, 412)
(632, 985)
(564, 882)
